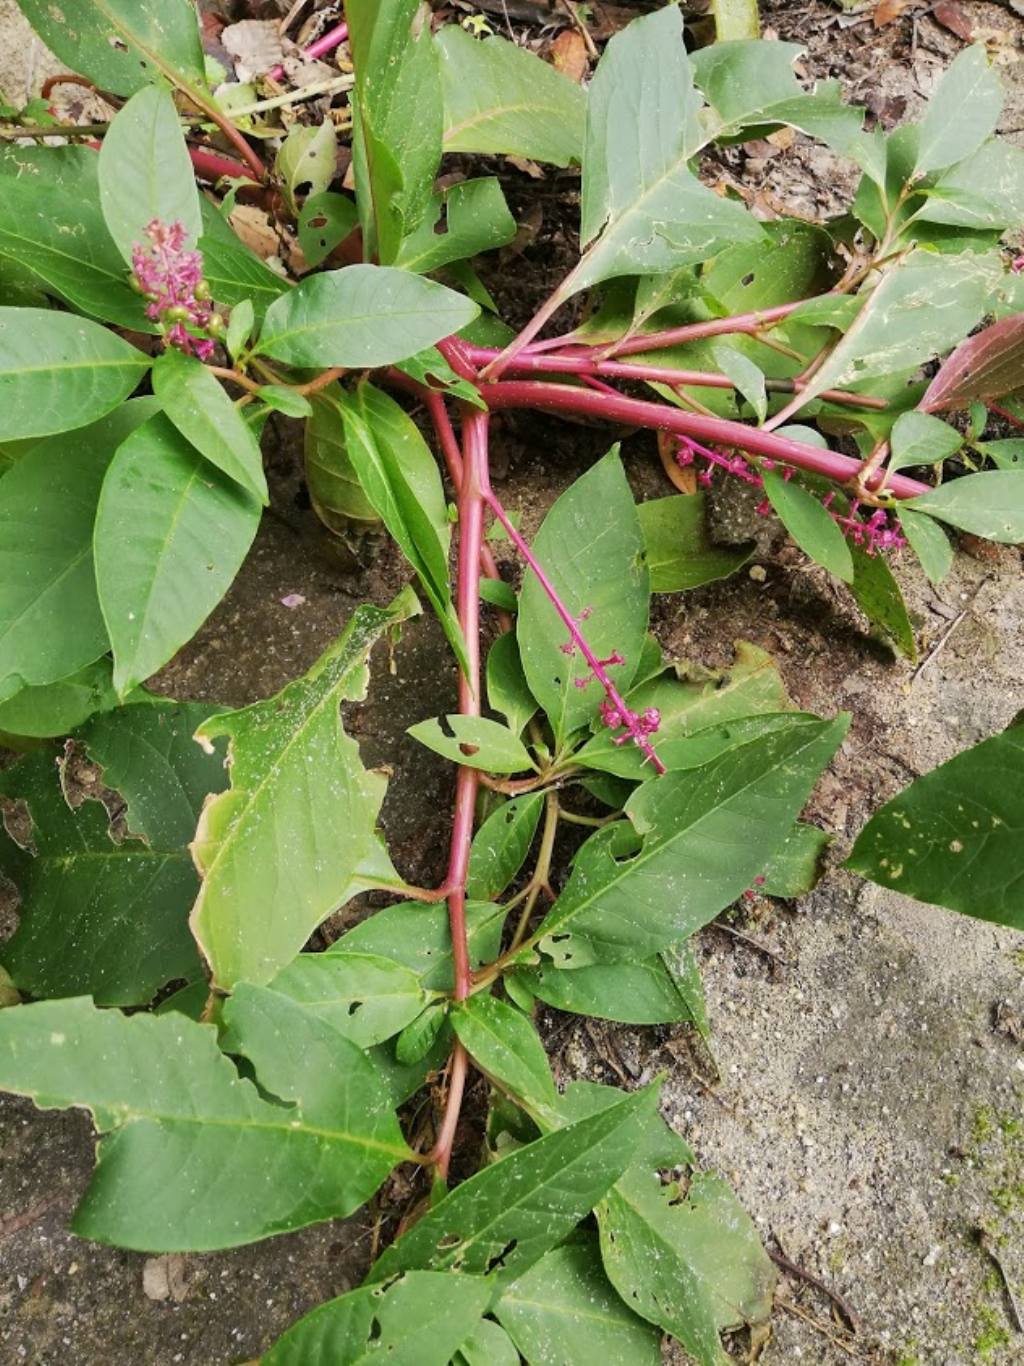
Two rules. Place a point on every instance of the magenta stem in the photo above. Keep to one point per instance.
(749, 323)
(638, 413)
(327, 43)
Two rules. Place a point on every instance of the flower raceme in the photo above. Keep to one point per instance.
(171, 279)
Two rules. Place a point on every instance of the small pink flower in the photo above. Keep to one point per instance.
(171, 278)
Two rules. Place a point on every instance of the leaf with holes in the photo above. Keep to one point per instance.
(474, 741)
(325, 221)
(476, 219)
(366, 998)
(501, 845)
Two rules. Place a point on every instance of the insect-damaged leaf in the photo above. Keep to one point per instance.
(366, 997)
(501, 844)
(420, 1319)
(178, 1123)
(953, 837)
(476, 219)
(698, 839)
(503, 1219)
(298, 786)
(474, 740)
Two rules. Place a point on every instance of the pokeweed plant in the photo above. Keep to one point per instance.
(142, 348)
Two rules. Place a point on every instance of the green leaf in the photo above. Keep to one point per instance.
(985, 190)
(334, 487)
(280, 398)
(680, 554)
(564, 1312)
(1006, 455)
(705, 834)
(145, 172)
(175, 1116)
(681, 963)
(507, 689)
(474, 741)
(325, 221)
(641, 993)
(240, 328)
(430, 368)
(57, 708)
(51, 625)
(420, 1035)
(488, 1345)
(503, 1220)
(59, 372)
(952, 837)
(59, 234)
(881, 600)
(123, 906)
(366, 998)
(307, 161)
(747, 377)
(644, 211)
(234, 273)
(502, 100)
(361, 317)
(928, 542)
(503, 1043)
(397, 146)
(476, 219)
(420, 1319)
(171, 533)
(990, 504)
(120, 44)
(197, 405)
(500, 846)
(400, 478)
(795, 869)
(297, 782)
(810, 525)
(962, 112)
(919, 439)
(591, 547)
(715, 706)
(792, 262)
(735, 19)
(418, 937)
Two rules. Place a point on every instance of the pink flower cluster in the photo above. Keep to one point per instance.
(635, 727)
(875, 534)
(171, 278)
(615, 714)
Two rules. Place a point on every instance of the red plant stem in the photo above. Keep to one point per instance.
(333, 38)
(441, 1155)
(664, 374)
(750, 323)
(638, 413)
(1003, 413)
(213, 167)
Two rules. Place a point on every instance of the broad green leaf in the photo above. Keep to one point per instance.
(792, 262)
(880, 599)
(680, 553)
(919, 439)
(507, 689)
(361, 317)
(145, 172)
(399, 119)
(420, 1035)
(57, 708)
(281, 398)
(240, 328)
(810, 525)
(233, 272)
(325, 221)
(750, 85)
(400, 478)
(985, 190)
(718, 706)
(474, 741)
(502, 100)
(198, 406)
(735, 19)
(990, 504)
(366, 998)
(50, 620)
(1005, 455)
(59, 233)
(476, 219)
(307, 162)
(962, 112)
(419, 938)
(175, 1116)
(953, 837)
(59, 372)
(104, 917)
(747, 377)
(171, 534)
(500, 846)
(641, 993)
(929, 543)
(591, 547)
(488, 1345)
(430, 369)
(503, 1043)
(420, 1319)
(119, 44)
(563, 1312)
(704, 835)
(334, 487)
(795, 869)
(297, 783)
(503, 1220)
(920, 309)
(644, 211)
